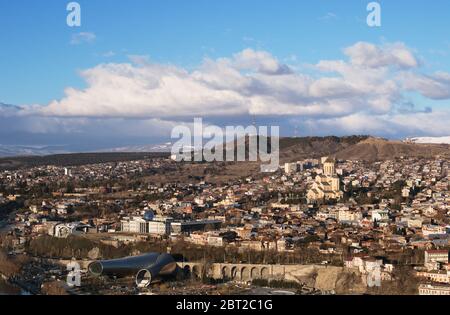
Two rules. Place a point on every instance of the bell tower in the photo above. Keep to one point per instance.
(329, 168)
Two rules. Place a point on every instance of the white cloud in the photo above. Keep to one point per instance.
(369, 55)
(393, 125)
(434, 86)
(259, 61)
(251, 82)
(358, 95)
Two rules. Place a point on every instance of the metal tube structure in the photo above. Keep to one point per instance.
(164, 266)
(157, 264)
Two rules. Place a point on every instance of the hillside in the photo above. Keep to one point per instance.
(375, 149)
(293, 149)
(74, 159)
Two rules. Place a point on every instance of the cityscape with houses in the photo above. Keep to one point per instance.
(225, 155)
(316, 226)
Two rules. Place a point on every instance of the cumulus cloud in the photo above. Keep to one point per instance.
(394, 125)
(366, 54)
(259, 61)
(363, 94)
(434, 86)
(250, 82)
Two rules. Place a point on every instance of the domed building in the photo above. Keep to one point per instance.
(326, 186)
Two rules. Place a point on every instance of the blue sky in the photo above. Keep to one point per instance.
(39, 60)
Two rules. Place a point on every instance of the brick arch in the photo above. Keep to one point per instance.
(265, 273)
(235, 273)
(187, 271)
(226, 272)
(245, 274)
(255, 273)
(197, 271)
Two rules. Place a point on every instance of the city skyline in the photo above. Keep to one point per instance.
(218, 155)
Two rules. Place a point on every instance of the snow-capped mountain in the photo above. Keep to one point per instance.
(23, 150)
(164, 147)
(31, 150)
(430, 140)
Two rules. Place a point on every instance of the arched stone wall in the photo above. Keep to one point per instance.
(197, 271)
(226, 272)
(265, 273)
(245, 274)
(235, 275)
(255, 273)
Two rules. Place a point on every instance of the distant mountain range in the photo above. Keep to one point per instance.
(164, 147)
(23, 150)
(291, 149)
